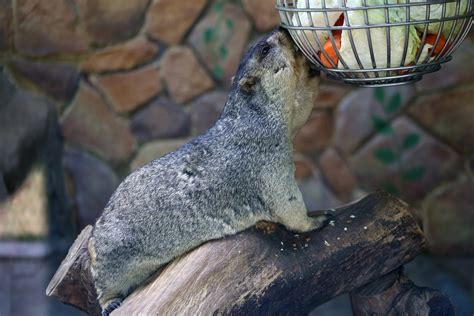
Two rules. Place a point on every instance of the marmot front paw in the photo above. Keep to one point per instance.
(111, 305)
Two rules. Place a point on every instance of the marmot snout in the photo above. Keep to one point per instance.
(238, 173)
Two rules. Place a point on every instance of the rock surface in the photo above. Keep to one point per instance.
(89, 123)
(110, 21)
(161, 119)
(448, 218)
(25, 214)
(93, 184)
(154, 150)
(48, 27)
(263, 14)
(316, 134)
(127, 91)
(438, 112)
(169, 20)
(58, 81)
(122, 56)
(337, 174)
(205, 111)
(184, 77)
(316, 195)
(218, 42)
(6, 25)
(364, 111)
(408, 162)
(456, 72)
(330, 95)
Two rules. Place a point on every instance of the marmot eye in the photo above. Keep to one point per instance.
(265, 50)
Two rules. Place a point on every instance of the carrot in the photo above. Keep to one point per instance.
(330, 50)
(340, 21)
(431, 39)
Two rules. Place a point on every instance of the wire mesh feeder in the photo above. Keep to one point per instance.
(377, 42)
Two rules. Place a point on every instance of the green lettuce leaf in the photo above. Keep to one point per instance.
(316, 19)
(419, 13)
(378, 35)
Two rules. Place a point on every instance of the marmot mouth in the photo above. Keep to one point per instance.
(313, 71)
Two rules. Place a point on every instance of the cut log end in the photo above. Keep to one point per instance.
(395, 294)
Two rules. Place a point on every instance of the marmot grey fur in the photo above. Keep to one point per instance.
(240, 172)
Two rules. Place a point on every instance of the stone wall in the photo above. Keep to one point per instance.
(130, 81)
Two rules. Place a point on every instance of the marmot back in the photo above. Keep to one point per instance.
(240, 172)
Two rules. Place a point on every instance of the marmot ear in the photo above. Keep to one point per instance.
(247, 83)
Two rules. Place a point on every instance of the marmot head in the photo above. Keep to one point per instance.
(276, 75)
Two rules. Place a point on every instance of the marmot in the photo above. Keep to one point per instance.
(238, 173)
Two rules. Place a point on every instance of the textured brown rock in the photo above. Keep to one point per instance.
(448, 218)
(316, 195)
(108, 21)
(25, 213)
(59, 81)
(183, 75)
(90, 124)
(93, 183)
(457, 71)
(303, 168)
(6, 25)
(120, 57)
(408, 162)
(315, 134)
(48, 27)
(360, 112)
(155, 150)
(161, 119)
(205, 111)
(263, 14)
(129, 90)
(330, 95)
(337, 174)
(220, 39)
(169, 20)
(449, 114)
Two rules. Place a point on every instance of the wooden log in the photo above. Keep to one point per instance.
(72, 283)
(255, 272)
(394, 294)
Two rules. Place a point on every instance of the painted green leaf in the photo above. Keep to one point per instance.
(208, 35)
(385, 155)
(218, 71)
(223, 52)
(381, 126)
(394, 103)
(229, 23)
(379, 94)
(218, 6)
(391, 188)
(410, 141)
(413, 174)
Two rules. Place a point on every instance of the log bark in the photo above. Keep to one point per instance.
(257, 272)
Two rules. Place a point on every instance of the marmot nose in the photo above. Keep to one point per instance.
(284, 35)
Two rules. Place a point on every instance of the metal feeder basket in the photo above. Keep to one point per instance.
(377, 42)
